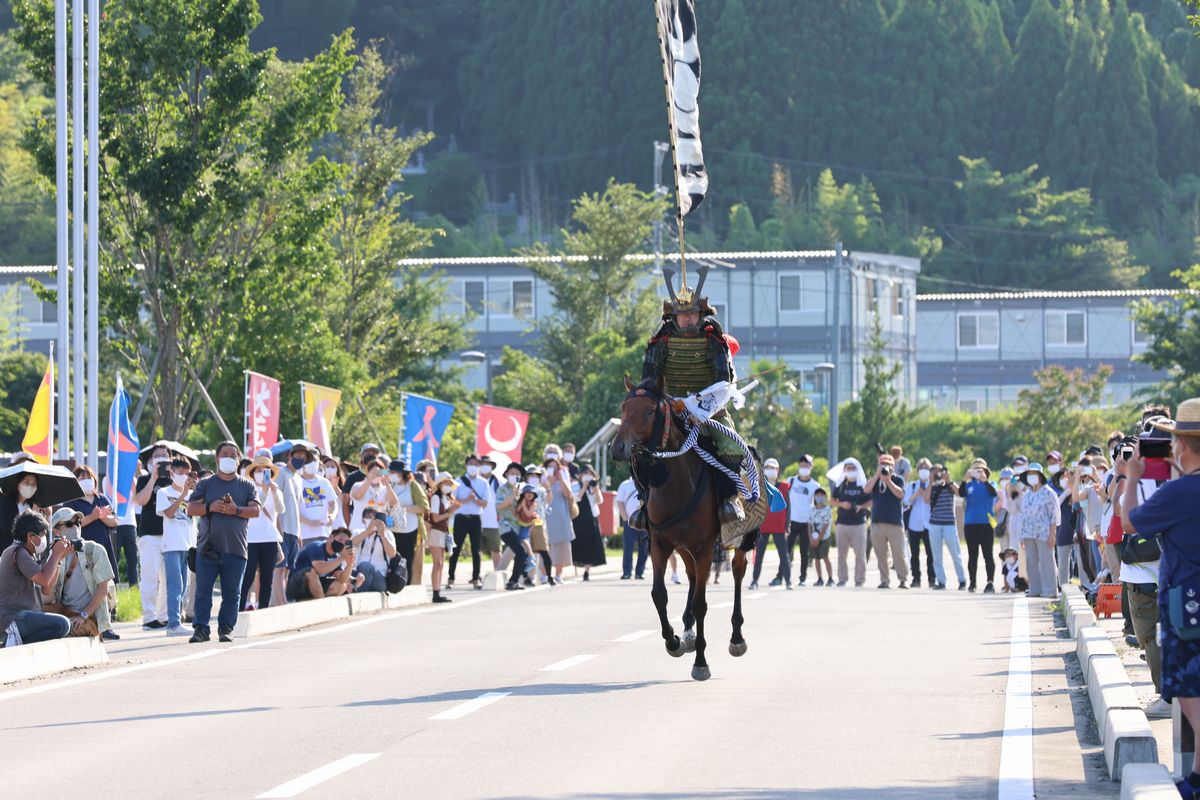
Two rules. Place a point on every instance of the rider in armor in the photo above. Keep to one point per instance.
(690, 352)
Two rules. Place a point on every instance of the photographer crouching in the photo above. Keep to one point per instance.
(22, 579)
(80, 589)
(1173, 513)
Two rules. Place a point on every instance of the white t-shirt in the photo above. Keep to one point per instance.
(316, 494)
(628, 498)
(262, 529)
(489, 517)
(179, 531)
(402, 521)
(375, 499)
(800, 495)
(372, 551)
(1147, 571)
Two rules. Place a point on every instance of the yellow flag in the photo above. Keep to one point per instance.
(318, 404)
(39, 435)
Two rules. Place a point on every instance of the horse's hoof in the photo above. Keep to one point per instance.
(676, 648)
(701, 673)
(689, 640)
(737, 649)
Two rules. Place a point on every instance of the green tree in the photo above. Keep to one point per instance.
(1056, 413)
(1038, 68)
(26, 207)
(877, 413)
(1174, 330)
(208, 192)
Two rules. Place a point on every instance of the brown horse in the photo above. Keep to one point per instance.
(681, 509)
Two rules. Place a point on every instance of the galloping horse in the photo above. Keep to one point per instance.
(681, 509)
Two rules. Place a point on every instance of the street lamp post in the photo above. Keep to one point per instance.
(477, 357)
(828, 370)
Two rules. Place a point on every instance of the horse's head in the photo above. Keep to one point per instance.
(644, 414)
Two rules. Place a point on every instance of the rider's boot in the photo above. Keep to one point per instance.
(640, 519)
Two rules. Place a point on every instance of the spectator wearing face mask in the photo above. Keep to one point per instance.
(423, 477)
(1039, 528)
(124, 536)
(799, 494)
(22, 580)
(473, 494)
(368, 454)
(318, 505)
(979, 495)
(489, 519)
(537, 527)
(820, 526)
(372, 492)
(853, 504)
(80, 589)
(263, 540)
(325, 569)
(774, 527)
(943, 529)
(1085, 491)
(916, 503)
(569, 462)
(228, 502)
(98, 516)
(288, 480)
(13, 505)
(442, 506)
(150, 537)
(513, 534)
(886, 491)
(374, 547)
(587, 548)
(404, 519)
(178, 536)
(559, 530)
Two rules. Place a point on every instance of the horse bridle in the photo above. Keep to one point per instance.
(663, 414)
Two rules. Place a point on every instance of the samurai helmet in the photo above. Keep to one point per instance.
(686, 300)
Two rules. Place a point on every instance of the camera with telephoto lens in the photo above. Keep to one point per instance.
(885, 470)
(1123, 450)
(1154, 443)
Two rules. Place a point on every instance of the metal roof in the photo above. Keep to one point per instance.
(1048, 295)
(721, 256)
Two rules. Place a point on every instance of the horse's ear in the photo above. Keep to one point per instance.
(628, 384)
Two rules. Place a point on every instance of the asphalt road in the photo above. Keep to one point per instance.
(568, 693)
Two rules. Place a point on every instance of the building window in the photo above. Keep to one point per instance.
(1066, 328)
(472, 297)
(1141, 336)
(978, 330)
(49, 312)
(801, 291)
(898, 298)
(971, 406)
(512, 298)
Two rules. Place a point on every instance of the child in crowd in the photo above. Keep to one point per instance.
(1011, 570)
(820, 526)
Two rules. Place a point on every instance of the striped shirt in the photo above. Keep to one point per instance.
(941, 505)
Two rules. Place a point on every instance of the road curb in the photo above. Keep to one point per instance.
(1147, 782)
(46, 658)
(306, 613)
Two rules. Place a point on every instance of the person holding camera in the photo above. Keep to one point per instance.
(886, 491)
(150, 535)
(227, 502)
(1039, 531)
(943, 528)
(853, 502)
(1173, 513)
(916, 520)
(264, 541)
(374, 547)
(178, 537)
(22, 579)
(979, 503)
(325, 569)
(80, 588)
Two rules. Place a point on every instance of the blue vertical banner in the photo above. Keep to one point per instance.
(122, 452)
(424, 423)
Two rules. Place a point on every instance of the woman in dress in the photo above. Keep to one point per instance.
(442, 506)
(587, 550)
(559, 531)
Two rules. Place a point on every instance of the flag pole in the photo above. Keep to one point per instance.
(50, 431)
(246, 412)
(401, 450)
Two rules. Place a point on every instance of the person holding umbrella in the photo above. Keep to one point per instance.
(15, 503)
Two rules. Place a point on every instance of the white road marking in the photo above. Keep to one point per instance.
(1016, 748)
(726, 604)
(567, 663)
(462, 709)
(104, 674)
(633, 637)
(319, 775)
(755, 596)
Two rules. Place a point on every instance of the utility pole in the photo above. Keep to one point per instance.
(660, 152)
(836, 375)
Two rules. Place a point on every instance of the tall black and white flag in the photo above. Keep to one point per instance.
(681, 73)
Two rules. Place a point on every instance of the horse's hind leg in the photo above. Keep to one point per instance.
(737, 644)
(659, 553)
(699, 578)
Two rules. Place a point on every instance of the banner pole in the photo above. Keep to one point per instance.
(401, 451)
(246, 413)
(303, 415)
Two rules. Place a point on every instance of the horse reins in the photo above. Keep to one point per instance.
(661, 433)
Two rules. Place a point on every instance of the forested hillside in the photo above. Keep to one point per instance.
(1008, 142)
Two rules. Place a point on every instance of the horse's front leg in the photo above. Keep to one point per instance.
(689, 618)
(737, 644)
(698, 575)
(659, 553)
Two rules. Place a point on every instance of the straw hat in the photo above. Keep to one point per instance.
(262, 462)
(442, 479)
(1186, 422)
(980, 463)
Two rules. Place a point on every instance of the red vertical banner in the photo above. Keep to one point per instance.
(262, 412)
(500, 433)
